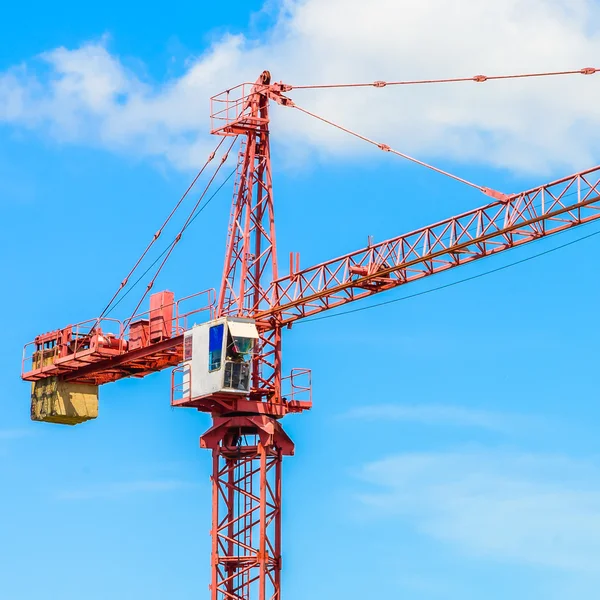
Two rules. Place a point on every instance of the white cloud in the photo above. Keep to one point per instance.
(124, 488)
(434, 414)
(88, 96)
(524, 508)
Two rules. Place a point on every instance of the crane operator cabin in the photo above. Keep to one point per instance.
(218, 357)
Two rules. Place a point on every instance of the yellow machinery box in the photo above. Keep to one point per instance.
(57, 401)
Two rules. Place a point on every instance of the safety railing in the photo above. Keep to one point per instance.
(184, 317)
(41, 354)
(297, 386)
(180, 317)
(229, 107)
(96, 339)
(181, 384)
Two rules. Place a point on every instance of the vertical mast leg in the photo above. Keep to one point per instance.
(246, 533)
(246, 438)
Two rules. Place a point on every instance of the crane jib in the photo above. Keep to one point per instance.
(229, 364)
(392, 263)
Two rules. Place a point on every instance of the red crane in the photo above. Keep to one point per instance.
(230, 365)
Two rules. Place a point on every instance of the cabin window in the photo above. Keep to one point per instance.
(215, 346)
(239, 349)
(243, 346)
(187, 347)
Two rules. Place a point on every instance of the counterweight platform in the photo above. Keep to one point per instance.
(104, 350)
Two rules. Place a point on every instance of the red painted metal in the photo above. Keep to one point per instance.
(247, 450)
(82, 351)
(246, 522)
(104, 350)
(139, 334)
(161, 316)
(475, 78)
(247, 439)
(482, 232)
(385, 148)
(296, 396)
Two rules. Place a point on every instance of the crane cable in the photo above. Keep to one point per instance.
(160, 230)
(182, 230)
(453, 283)
(476, 78)
(135, 283)
(487, 191)
(378, 84)
(381, 84)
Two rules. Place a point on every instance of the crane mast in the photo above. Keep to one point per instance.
(251, 254)
(248, 448)
(246, 438)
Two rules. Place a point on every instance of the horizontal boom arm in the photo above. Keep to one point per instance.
(94, 357)
(488, 230)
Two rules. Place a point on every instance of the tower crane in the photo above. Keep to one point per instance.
(230, 364)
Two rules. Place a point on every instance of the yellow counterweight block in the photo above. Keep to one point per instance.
(56, 401)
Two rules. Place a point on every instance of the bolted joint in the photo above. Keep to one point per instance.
(480, 78)
(501, 196)
(287, 102)
(379, 84)
(281, 87)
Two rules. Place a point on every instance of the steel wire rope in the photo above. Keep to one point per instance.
(178, 236)
(475, 78)
(141, 277)
(458, 282)
(239, 503)
(377, 84)
(487, 191)
(161, 229)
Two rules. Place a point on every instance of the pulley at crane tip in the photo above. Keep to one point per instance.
(265, 77)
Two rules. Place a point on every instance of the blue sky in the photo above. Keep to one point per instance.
(452, 450)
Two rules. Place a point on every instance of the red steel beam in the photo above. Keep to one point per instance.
(134, 363)
(459, 240)
(482, 232)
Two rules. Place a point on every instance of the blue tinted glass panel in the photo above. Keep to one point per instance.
(215, 346)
